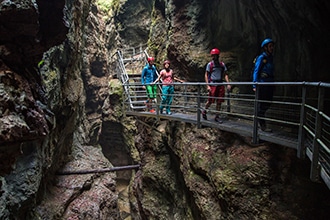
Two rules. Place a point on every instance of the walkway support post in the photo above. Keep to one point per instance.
(185, 98)
(228, 100)
(315, 167)
(199, 106)
(255, 117)
(301, 148)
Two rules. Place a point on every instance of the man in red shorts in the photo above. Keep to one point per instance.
(215, 72)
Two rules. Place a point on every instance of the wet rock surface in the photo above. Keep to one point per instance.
(191, 173)
(89, 196)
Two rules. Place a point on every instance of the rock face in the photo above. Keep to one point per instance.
(192, 28)
(190, 173)
(58, 111)
(26, 32)
(53, 72)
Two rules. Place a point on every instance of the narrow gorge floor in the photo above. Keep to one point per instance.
(123, 199)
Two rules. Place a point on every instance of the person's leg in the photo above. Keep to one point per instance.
(154, 93)
(210, 100)
(150, 98)
(169, 99)
(148, 95)
(220, 93)
(153, 97)
(265, 96)
(164, 98)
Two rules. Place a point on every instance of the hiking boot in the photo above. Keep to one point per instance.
(265, 129)
(217, 119)
(152, 111)
(204, 114)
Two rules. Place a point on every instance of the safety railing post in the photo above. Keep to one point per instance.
(315, 167)
(301, 148)
(199, 106)
(255, 117)
(157, 104)
(185, 97)
(123, 103)
(228, 100)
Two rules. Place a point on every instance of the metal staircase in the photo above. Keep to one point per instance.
(129, 65)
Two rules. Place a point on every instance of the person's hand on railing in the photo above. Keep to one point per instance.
(228, 87)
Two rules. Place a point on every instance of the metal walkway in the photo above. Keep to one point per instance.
(299, 113)
(238, 126)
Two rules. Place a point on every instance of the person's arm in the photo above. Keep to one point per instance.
(177, 79)
(257, 69)
(206, 76)
(160, 75)
(227, 80)
(142, 77)
(207, 80)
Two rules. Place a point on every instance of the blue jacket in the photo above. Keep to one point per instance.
(149, 74)
(263, 69)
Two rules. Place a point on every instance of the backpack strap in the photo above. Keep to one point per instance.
(211, 66)
(222, 65)
(211, 69)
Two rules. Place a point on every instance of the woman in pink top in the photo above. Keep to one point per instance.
(167, 77)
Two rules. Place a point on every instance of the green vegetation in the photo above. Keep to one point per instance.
(41, 63)
(106, 6)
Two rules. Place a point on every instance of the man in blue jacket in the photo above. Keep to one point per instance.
(264, 72)
(149, 75)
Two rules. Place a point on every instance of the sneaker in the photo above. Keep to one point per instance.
(217, 119)
(204, 114)
(169, 113)
(152, 111)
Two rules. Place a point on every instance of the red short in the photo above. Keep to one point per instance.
(216, 94)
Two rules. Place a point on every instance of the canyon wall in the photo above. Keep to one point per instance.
(59, 112)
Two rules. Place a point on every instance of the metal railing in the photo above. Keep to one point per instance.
(299, 111)
(296, 112)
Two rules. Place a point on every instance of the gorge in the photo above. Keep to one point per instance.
(60, 109)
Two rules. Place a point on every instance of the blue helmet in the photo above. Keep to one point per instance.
(266, 41)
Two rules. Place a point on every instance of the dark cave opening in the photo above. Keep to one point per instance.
(112, 141)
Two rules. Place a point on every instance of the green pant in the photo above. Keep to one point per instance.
(151, 91)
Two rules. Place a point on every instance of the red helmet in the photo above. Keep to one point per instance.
(215, 51)
(151, 59)
(167, 61)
